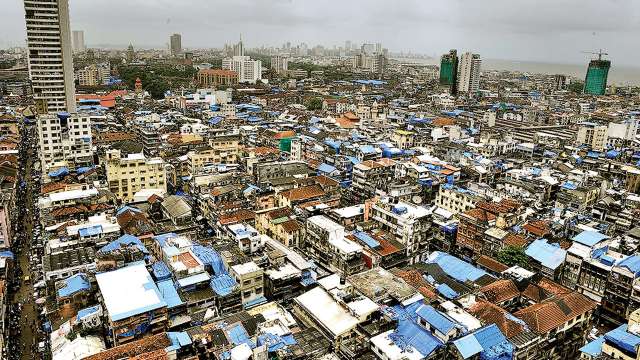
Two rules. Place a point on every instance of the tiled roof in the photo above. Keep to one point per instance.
(551, 313)
(135, 349)
(489, 313)
(290, 226)
(500, 291)
(303, 193)
(480, 214)
(237, 216)
(538, 228)
(515, 240)
(491, 264)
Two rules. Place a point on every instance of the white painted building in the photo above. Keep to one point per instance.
(65, 141)
(248, 70)
(50, 56)
(469, 73)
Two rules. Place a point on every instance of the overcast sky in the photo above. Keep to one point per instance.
(537, 30)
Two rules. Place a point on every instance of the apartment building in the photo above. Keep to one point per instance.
(408, 223)
(593, 135)
(128, 175)
(456, 199)
(326, 242)
(221, 150)
(250, 278)
(248, 70)
(50, 55)
(65, 141)
(94, 75)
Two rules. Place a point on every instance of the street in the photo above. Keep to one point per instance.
(25, 328)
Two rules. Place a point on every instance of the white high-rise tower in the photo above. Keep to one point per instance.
(469, 73)
(78, 41)
(50, 56)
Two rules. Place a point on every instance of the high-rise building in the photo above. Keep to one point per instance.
(78, 41)
(175, 42)
(279, 63)
(469, 73)
(595, 83)
(248, 70)
(238, 49)
(131, 54)
(449, 70)
(50, 56)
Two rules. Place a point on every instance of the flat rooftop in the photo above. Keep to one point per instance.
(129, 291)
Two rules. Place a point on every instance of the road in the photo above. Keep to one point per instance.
(25, 336)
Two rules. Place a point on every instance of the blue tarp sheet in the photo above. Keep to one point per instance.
(623, 339)
(7, 254)
(210, 257)
(63, 171)
(632, 263)
(434, 318)
(488, 341)
(222, 285)
(446, 291)
(458, 269)
(87, 311)
(84, 169)
(74, 284)
(549, 255)
(367, 239)
(593, 348)
(169, 293)
(589, 237)
(124, 241)
(160, 270)
(238, 335)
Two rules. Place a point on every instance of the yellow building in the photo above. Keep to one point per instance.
(403, 139)
(128, 175)
(221, 150)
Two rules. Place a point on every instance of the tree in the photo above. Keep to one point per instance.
(314, 104)
(513, 255)
(576, 87)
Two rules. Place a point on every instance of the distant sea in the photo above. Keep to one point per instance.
(618, 75)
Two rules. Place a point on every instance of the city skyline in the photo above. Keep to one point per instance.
(554, 33)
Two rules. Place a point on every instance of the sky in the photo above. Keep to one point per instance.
(534, 30)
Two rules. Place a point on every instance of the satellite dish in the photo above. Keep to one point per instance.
(416, 199)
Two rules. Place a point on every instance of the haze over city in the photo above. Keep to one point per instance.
(319, 180)
(545, 30)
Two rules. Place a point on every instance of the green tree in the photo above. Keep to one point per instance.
(513, 255)
(314, 104)
(576, 87)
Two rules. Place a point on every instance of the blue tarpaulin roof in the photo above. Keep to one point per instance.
(367, 239)
(434, 318)
(326, 168)
(632, 263)
(593, 348)
(84, 169)
(179, 339)
(569, 185)
(90, 231)
(238, 335)
(87, 311)
(7, 254)
(458, 269)
(124, 241)
(74, 284)
(623, 339)
(612, 154)
(160, 270)
(409, 333)
(446, 291)
(589, 237)
(169, 293)
(275, 342)
(549, 255)
(223, 284)
(63, 171)
(488, 341)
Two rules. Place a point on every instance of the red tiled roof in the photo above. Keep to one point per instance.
(489, 313)
(237, 216)
(492, 264)
(138, 349)
(303, 193)
(515, 240)
(554, 312)
(500, 291)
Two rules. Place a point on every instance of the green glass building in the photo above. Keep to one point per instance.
(449, 70)
(595, 83)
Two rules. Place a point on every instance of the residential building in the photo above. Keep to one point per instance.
(128, 175)
(595, 82)
(280, 64)
(175, 44)
(78, 41)
(469, 73)
(50, 55)
(248, 70)
(65, 142)
(449, 71)
(593, 135)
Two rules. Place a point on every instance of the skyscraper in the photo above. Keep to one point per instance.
(469, 73)
(50, 56)
(595, 83)
(449, 70)
(78, 41)
(238, 49)
(175, 42)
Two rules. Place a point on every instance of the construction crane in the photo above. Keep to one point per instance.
(599, 53)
